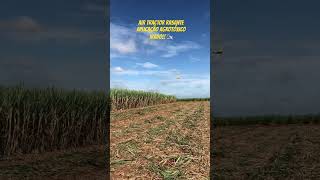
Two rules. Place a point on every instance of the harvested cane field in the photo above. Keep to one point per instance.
(35, 122)
(165, 141)
(266, 147)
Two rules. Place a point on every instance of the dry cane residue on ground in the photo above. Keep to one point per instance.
(267, 152)
(83, 163)
(169, 141)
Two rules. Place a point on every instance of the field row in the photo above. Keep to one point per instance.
(168, 142)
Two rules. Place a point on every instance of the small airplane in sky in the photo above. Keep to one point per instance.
(178, 76)
(219, 52)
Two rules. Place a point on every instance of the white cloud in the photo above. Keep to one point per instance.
(125, 40)
(118, 84)
(154, 43)
(122, 39)
(195, 83)
(118, 69)
(147, 65)
(121, 71)
(192, 86)
(187, 88)
(193, 59)
(169, 49)
(175, 49)
(129, 46)
(163, 81)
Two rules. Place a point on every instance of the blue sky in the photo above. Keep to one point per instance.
(178, 67)
(271, 57)
(53, 43)
(270, 64)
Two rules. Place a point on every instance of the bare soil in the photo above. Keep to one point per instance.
(83, 163)
(267, 152)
